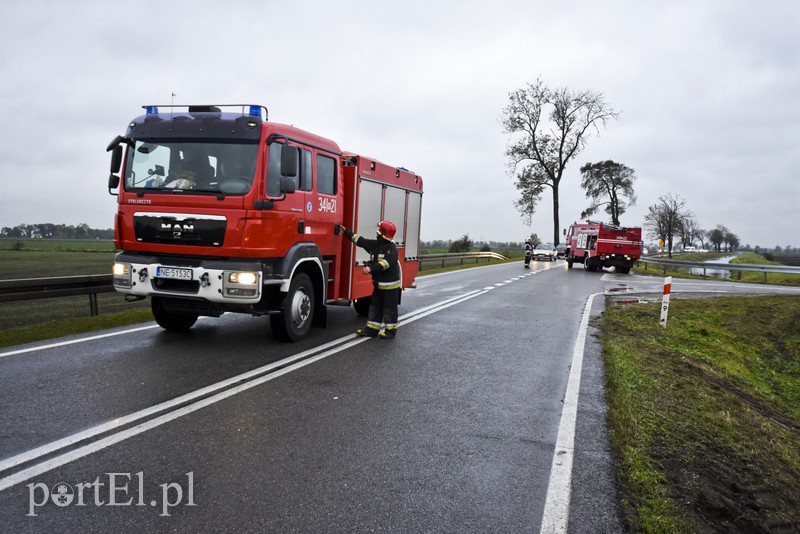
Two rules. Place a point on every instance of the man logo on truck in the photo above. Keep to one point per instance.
(177, 229)
(244, 237)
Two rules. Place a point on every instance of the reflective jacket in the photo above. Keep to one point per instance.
(382, 262)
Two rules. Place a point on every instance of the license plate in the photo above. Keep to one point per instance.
(172, 272)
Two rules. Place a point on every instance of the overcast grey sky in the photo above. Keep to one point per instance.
(709, 94)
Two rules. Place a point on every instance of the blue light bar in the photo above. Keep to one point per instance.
(255, 110)
(151, 110)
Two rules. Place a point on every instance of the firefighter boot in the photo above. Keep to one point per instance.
(369, 331)
(388, 333)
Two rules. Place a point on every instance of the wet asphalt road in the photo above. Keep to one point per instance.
(451, 427)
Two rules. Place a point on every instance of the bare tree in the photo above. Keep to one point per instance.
(607, 183)
(551, 127)
(689, 229)
(702, 235)
(664, 219)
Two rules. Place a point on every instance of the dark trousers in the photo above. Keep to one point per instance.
(383, 309)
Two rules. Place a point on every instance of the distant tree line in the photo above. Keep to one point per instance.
(669, 221)
(56, 231)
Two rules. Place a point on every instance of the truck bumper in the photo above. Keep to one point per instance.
(618, 260)
(219, 281)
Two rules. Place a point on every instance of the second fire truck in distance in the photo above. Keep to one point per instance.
(598, 245)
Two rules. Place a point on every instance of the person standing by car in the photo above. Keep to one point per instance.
(385, 272)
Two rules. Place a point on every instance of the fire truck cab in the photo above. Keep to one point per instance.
(224, 211)
(598, 245)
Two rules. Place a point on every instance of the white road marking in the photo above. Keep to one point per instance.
(73, 341)
(559, 488)
(198, 399)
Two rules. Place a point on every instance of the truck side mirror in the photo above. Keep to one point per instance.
(116, 158)
(289, 155)
(288, 185)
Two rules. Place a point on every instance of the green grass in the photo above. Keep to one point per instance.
(750, 258)
(55, 245)
(36, 320)
(705, 415)
(37, 264)
(50, 329)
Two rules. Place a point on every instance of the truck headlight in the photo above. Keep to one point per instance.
(247, 279)
(121, 274)
(240, 284)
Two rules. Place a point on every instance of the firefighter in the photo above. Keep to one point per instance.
(528, 252)
(385, 271)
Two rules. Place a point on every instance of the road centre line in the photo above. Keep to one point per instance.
(147, 412)
(58, 461)
(197, 399)
(189, 397)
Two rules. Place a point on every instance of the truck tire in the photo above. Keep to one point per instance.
(623, 270)
(294, 321)
(362, 305)
(174, 322)
(588, 264)
(569, 262)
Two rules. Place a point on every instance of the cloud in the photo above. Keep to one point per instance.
(707, 93)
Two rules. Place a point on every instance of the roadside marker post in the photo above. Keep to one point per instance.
(665, 301)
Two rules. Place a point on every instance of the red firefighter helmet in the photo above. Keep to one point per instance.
(387, 229)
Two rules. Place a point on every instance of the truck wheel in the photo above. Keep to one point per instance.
(362, 305)
(623, 270)
(294, 321)
(588, 264)
(569, 262)
(174, 322)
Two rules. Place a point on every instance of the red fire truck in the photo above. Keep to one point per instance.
(598, 245)
(224, 211)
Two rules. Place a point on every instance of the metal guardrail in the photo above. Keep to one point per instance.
(460, 256)
(92, 284)
(713, 266)
(61, 286)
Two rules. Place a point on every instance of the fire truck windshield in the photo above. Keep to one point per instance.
(199, 167)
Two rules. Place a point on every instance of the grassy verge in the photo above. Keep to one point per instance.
(37, 320)
(75, 325)
(704, 415)
(750, 258)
